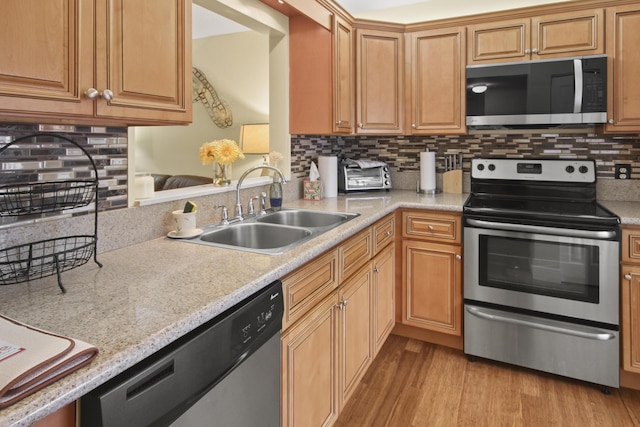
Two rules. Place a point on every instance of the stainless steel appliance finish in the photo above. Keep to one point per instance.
(542, 92)
(363, 175)
(226, 372)
(541, 269)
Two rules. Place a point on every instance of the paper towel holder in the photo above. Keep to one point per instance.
(427, 192)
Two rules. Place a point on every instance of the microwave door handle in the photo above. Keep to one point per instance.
(535, 229)
(578, 81)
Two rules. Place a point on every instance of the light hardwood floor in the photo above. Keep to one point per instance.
(412, 383)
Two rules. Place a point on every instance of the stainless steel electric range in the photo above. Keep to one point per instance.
(541, 269)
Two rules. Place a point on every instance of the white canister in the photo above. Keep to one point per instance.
(143, 186)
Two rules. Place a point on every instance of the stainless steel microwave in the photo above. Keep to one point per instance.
(567, 91)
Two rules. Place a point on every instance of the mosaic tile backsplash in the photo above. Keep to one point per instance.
(402, 152)
(47, 158)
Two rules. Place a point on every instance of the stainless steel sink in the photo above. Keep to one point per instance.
(306, 218)
(256, 236)
(274, 233)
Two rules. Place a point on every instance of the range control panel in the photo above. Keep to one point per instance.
(554, 170)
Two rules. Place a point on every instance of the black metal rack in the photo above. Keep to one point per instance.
(43, 258)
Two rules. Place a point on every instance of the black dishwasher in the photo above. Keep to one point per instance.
(224, 373)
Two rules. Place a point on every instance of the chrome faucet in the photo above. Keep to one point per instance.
(238, 213)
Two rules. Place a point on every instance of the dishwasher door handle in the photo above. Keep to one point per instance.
(550, 326)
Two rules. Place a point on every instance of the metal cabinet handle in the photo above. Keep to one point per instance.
(527, 51)
(91, 93)
(535, 50)
(627, 276)
(360, 125)
(107, 95)
(458, 257)
(414, 126)
(389, 233)
(339, 122)
(376, 270)
(430, 227)
(611, 121)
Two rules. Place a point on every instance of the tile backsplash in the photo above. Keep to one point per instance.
(402, 152)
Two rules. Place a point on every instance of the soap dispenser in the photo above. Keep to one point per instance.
(275, 194)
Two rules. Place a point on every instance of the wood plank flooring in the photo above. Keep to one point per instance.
(412, 383)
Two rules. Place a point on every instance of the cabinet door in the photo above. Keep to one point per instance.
(623, 38)
(356, 331)
(343, 77)
(437, 95)
(502, 41)
(143, 56)
(379, 82)
(47, 51)
(432, 286)
(310, 368)
(631, 317)
(384, 273)
(568, 34)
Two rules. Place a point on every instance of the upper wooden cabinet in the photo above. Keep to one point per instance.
(623, 35)
(321, 79)
(436, 81)
(343, 77)
(96, 61)
(379, 82)
(557, 35)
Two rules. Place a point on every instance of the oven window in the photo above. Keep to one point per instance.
(568, 271)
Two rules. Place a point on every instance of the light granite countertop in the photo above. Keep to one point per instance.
(148, 295)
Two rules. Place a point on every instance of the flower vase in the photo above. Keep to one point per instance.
(221, 174)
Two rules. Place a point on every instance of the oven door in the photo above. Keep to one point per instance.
(564, 272)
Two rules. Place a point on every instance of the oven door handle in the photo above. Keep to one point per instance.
(515, 319)
(564, 232)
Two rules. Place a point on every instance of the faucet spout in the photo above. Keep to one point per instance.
(247, 172)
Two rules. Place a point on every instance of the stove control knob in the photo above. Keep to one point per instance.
(570, 169)
(492, 167)
(480, 167)
(583, 169)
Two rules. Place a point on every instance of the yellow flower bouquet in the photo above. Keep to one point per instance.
(223, 153)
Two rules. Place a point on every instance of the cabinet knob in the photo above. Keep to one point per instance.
(527, 51)
(610, 121)
(458, 257)
(339, 122)
(535, 50)
(389, 233)
(360, 125)
(91, 93)
(376, 269)
(414, 126)
(107, 95)
(627, 276)
(430, 227)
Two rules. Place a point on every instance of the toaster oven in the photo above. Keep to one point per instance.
(363, 175)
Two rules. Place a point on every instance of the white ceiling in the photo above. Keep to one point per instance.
(207, 23)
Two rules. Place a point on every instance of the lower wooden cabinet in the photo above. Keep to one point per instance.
(310, 368)
(384, 301)
(63, 417)
(631, 318)
(356, 330)
(432, 292)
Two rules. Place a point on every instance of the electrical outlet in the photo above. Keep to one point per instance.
(623, 171)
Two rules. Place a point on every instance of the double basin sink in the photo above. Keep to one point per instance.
(274, 232)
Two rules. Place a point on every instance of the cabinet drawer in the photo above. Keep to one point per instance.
(383, 232)
(631, 245)
(305, 287)
(431, 226)
(354, 253)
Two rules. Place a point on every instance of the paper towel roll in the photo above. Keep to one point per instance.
(428, 171)
(328, 167)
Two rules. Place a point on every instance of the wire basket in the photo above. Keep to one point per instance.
(44, 258)
(41, 197)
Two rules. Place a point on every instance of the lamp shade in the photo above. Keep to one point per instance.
(254, 138)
